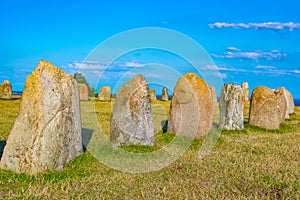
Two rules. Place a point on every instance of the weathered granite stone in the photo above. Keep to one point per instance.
(105, 94)
(83, 92)
(268, 108)
(213, 94)
(245, 88)
(232, 107)
(47, 132)
(152, 95)
(5, 90)
(131, 120)
(282, 104)
(191, 107)
(289, 102)
(164, 94)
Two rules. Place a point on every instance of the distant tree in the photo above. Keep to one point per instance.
(81, 79)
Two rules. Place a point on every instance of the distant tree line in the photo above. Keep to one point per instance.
(81, 79)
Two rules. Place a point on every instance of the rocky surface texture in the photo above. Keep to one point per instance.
(289, 103)
(5, 90)
(164, 94)
(104, 94)
(47, 132)
(131, 120)
(213, 94)
(191, 107)
(83, 92)
(232, 107)
(245, 87)
(268, 108)
(152, 95)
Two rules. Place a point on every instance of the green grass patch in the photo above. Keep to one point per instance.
(284, 128)
(253, 163)
(8, 112)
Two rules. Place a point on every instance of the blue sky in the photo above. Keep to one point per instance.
(254, 41)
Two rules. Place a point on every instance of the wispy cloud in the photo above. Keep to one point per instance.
(89, 65)
(153, 75)
(265, 67)
(85, 65)
(221, 75)
(233, 49)
(133, 64)
(234, 52)
(258, 70)
(277, 72)
(296, 71)
(290, 26)
(217, 68)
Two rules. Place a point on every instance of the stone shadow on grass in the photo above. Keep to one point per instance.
(11, 99)
(164, 125)
(2, 145)
(86, 137)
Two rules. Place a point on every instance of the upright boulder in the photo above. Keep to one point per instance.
(289, 102)
(191, 107)
(282, 104)
(245, 88)
(5, 90)
(47, 132)
(164, 94)
(83, 92)
(131, 120)
(213, 93)
(152, 95)
(232, 107)
(268, 108)
(104, 94)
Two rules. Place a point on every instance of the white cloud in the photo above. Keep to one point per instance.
(220, 75)
(77, 65)
(296, 71)
(254, 55)
(223, 72)
(290, 26)
(89, 65)
(101, 66)
(233, 49)
(275, 72)
(216, 68)
(70, 66)
(152, 75)
(133, 64)
(264, 67)
(212, 67)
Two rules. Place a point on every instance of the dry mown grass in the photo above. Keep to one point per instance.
(249, 164)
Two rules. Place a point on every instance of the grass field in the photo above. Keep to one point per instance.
(248, 164)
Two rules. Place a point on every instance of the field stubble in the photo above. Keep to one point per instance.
(249, 164)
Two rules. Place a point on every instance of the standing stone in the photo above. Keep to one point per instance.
(289, 102)
(232, 107)
(83, 92)
(5, 90)
(245, 87)
(268, 108)
(152, 95)
(164, 94)
(191, 107)
(213, 93)
(105, 94)
(282, 104)
(47, 132)
(131, 120)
